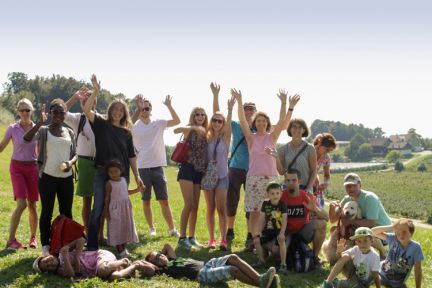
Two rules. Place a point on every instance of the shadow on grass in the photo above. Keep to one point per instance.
(6, 252)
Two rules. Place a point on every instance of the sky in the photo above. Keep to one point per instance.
(357, 62)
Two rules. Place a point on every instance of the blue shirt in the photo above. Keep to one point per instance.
(396, 268)
(240, 159)
(371, 207)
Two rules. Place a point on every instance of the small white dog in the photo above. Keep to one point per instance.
(351, 210)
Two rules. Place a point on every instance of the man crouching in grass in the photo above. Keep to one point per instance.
(215, 270)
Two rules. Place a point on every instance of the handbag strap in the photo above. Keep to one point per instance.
(235, 149)
(214, 150)
(295, 157)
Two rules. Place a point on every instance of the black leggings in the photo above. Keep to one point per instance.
(49, 186)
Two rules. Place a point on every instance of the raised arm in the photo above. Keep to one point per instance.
(215, 88)
(168, 251)
(77, 96)
(282, 95)
(227, 127)
(28, 137)
(293, 100)
(175, 120)
(242, 117)
(88, 111)
(139, 100)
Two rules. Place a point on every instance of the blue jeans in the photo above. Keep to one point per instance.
(98, 206)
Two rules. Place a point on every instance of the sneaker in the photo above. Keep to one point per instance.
(33, 243)
(283, 269)
(327, 284)
(124, 253)
(173, 232)
(230, 234)
(276, 282)
(266, 279)
(14, 245)
(194, 242)
(184, 243)
(223, 245)
(152, 232)
(211, 244)
(45, 250)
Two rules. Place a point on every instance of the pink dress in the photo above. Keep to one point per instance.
(121, 226)
(89, 261)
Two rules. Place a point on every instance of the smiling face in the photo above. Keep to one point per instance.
(217, 122)
(353, 190)
(146, 110)
(117, 112)
(157, 259)
(24, 111)
(249, 111)
(57, 114)
(48, 264)
(200, 117)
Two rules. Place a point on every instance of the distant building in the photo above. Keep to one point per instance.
(380, 146)
(401, 143)
(342, 143)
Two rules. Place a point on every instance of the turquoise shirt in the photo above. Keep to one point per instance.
(371, 207)
(240, 159)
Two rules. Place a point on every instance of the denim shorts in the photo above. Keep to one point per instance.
(188, 172)
(215, 270)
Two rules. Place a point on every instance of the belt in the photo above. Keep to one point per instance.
(87, 157)
(24, 162)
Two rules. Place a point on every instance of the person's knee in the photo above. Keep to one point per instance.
(164, 203)
(320, 226)
(147, 204)
(233, 259)
(21, 205)
(234, 271)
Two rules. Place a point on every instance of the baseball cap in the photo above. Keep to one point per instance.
(361, 232)
(249, 104)
(351, 178)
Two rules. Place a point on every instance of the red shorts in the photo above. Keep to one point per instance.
(24, 178)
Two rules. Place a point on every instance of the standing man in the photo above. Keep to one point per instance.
(238, 163)
(149, 142)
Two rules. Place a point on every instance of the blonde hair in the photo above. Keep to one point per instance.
(210, 130)
(26, 102)
(192, 117)
(125, 121)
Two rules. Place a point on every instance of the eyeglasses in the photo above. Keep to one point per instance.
(200, 114)
(248, 108)
(296, 127)
(219, 121)
(24, 110)
(146, 109)
(57, 112)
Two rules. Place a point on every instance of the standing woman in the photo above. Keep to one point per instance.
(23, 173)
(113, 140)
(262, 166)
(191, 173)
(57, 154)
(219, 137)
(324, 143)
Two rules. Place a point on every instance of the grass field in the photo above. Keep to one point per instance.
(16, 268)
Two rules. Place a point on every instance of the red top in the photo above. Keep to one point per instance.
(298, 214)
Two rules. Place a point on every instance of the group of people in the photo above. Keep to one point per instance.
(106, 149)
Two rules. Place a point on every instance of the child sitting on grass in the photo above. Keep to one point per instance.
(403, 254)
(272, 225)
(365, 260)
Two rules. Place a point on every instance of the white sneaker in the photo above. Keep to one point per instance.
(152, 231)
(173, 232)
(45, 250)
(124, 254)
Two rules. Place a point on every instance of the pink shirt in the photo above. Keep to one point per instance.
(89, 260)
(21, 151)
(261, 163)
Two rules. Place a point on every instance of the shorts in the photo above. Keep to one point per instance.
(353, 282)
(307, 233)
(188, 172)
(222, 184)
(215, 270)
(86, 175)
(25, 179)
(269, 239)
(154, 177)
(255, 192)
(237, 177)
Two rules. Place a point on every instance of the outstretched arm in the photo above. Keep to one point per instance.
(88, 111)
(293, 100)
(187, 129)
(242, 117)
(381, 231)
(77, 96)
(175, 120)
(227, 127)
(215, 88)
(284, 121)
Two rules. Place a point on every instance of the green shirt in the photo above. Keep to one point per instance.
(371, 207)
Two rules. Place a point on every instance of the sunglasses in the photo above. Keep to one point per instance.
(248, 108)
(57, 112)
(217, 121)
(24, 110)
(200, 114)
(146, 109)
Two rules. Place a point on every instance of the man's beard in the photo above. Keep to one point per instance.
(291, 190)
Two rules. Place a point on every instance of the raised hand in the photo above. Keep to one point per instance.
(231, 103)
(341, 245)
(167, 101)
(81, 94)
(271, 151)
(215, 88)
(282, 95)
(293, 100)
(95, 82)
(236, 94)
(310, 204)
(139, 100)
(44, 115)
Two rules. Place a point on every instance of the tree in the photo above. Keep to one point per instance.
(337, 157)
(422, 167)
(393, 156)
(364, 152)
(399, 167)
(415, 139)
(352, 150)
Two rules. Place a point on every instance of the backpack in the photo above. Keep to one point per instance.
(300, 256)
(81, 125)
(63, 231)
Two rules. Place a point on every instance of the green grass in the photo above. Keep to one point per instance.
(426, 159)
(16, 268)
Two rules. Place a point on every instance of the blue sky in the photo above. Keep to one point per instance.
(357, 62)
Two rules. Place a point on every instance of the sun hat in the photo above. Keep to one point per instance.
(361, 232)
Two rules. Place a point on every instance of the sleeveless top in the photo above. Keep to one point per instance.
(198, 151)
(221, 156)
(261, 163)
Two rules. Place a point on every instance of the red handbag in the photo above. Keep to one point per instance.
(180, 153)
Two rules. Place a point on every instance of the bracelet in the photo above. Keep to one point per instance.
(290, 109)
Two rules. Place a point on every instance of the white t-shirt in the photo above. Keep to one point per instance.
(364, 263)
(58, 150)
(86, 142)
(149, 143)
